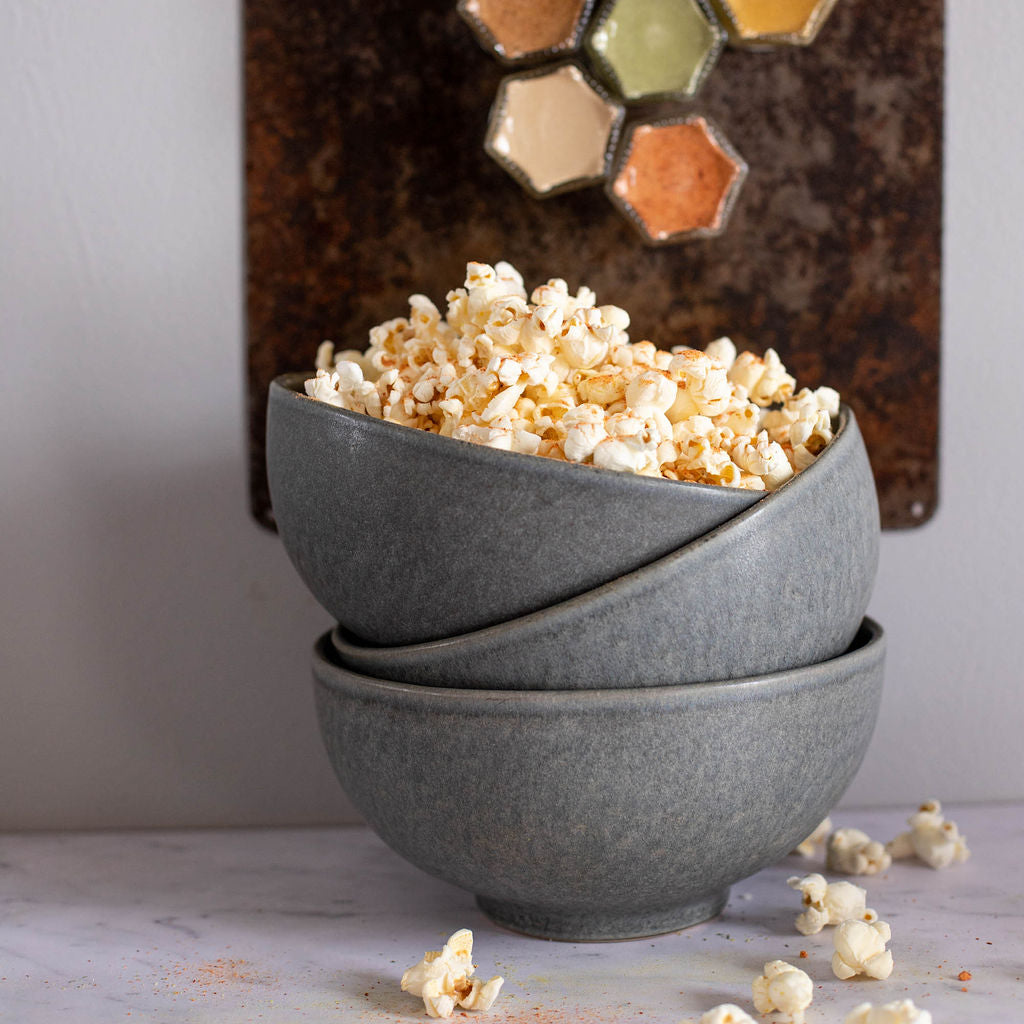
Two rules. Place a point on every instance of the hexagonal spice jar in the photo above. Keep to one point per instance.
(553, 129)
(766, 23)
(676, 179)
(516, 31)
(652, 49)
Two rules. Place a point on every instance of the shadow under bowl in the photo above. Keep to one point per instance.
(783, 584)
(406, 536)
(602, 814)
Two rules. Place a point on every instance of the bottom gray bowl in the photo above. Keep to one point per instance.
(601, 814)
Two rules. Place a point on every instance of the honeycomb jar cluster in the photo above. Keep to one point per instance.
(558, 125)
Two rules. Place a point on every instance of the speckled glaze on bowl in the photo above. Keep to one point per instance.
(405, 536)
(785, 583)
(600, 814)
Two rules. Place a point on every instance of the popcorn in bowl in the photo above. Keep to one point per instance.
(554, 374)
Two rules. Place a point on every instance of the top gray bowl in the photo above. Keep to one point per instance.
(781, 585)
(405, 536)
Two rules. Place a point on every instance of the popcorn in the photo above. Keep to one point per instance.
(324, 387)
(723, 351)
(628, 453)
(502, 403)
(784, 988)
(443, 979)
(726, 1013)
(931, 838)
(765, 379)
(852, 852)
(506, 370)
(703, 383)
(584, 430)
(762, 457)
(650, 390)
(860, 949)
(901, 1011)
(829, 903)
(809, 846)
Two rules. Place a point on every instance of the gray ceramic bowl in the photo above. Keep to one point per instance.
(406, 536)
(602, 814)
(785, 583)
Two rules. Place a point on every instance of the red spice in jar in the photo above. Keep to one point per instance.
(676, 178)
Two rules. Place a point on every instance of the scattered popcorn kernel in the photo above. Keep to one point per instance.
(784, 988)
(810, 845)
(860, 949)
(931, 838)
(902, 1011)
(502, 370)
(443, 979)
(852, 852)
(727, 1013)
(828, 903)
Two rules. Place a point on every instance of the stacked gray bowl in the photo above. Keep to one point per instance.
(593, 699)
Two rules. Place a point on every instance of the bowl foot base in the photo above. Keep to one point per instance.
(600, 926)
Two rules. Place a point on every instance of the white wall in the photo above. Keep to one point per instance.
(153, 640)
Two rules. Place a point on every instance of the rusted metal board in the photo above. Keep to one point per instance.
(367, 180)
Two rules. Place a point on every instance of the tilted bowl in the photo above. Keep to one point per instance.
(405, 536)
(783, 584)
(600, 814)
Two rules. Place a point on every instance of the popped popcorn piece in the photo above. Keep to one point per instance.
(443, 979)
(853, 852)
(810, 845)
(324, 387)
(931, 838)
(829, 903)
(703, 383)
(650, 391)
(505, 370)
(631, 453)
(900, 1011)
(726, 1013)
(785, 988)
(723, 350)
(764, 378)
(860, 949)
(764, 458)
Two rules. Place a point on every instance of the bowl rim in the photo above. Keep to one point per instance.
(477, 454)
(868, 646)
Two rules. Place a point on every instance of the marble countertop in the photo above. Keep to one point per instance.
(318, 924)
